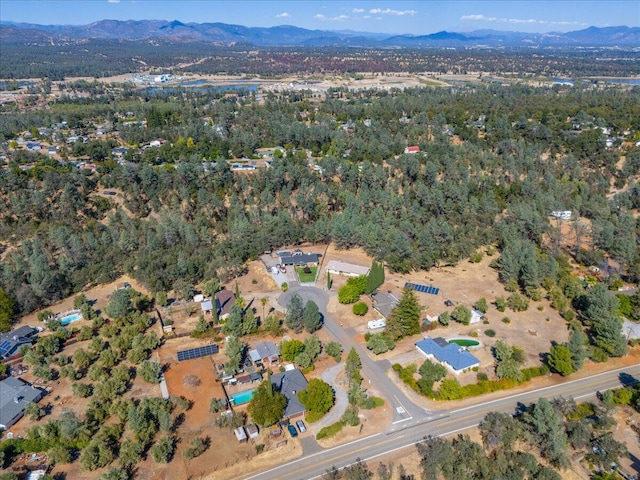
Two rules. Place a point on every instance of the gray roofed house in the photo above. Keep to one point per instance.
(265, 352)
(384, 303)
(11, 341)
(15, 395)
(225, 299)
(289, 383)
(451, 355)
(299, 258)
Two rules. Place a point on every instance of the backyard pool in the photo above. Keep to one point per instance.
(465, 342)
(242, 397)
(67, 319)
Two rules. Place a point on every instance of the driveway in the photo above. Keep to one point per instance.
(403, 409)
(342, 400)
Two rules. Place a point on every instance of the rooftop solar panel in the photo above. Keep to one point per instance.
(4, 347)
(197, 352)
(422, 288)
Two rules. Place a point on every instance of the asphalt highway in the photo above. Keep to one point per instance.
(412, 424)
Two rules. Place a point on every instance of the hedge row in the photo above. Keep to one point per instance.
(330, 431)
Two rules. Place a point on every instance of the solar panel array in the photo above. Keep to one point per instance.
(422, 288)
(197, 352)
(5, 346)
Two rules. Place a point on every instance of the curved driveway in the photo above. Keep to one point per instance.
(403, 409)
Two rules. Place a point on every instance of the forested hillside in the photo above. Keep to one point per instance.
(494, 162)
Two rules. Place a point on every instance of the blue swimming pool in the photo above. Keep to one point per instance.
(64, 321)
(242, 397)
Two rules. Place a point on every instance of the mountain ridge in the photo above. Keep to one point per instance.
(289, 35)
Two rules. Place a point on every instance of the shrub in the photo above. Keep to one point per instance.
(598, 355)
(475, 257)
(482, 377)
(360, 309)
(506, 320)
(284, 286)
(482, 305)
(490, 333)
(501, 304)
(330, 431)
(350, 416)
(373, 402)
(517, 302)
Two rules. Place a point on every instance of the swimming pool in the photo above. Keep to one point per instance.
(242, 397)
(465, 342)
(64, 321)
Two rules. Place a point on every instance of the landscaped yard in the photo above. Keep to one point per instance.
(307, 277)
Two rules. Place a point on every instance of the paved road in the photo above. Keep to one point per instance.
(403, 409)
(408, 433)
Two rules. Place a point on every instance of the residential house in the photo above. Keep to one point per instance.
(225, 299)
(289, 383)
(412, 149)
(266, 352)
(451, 355)
(15, 395)
(10, 342)
(384, 303)
(299, 258)
(337, 267)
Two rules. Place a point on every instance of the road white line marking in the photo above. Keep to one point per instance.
(400, 421)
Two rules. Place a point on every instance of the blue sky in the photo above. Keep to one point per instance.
(391, 16)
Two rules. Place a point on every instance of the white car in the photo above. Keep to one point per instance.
(301, 426)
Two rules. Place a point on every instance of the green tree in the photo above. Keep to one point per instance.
(432, 372)
(249, 322)
(360, 309)
(290, 349)
(115, 473)
(202, 326)
(311, 317)
(294, 319)
(7, 311)
(546, 429)
(499, 431)
(120, 304)
(461, 314)
(211, 287)
(312, 346)
(233, 325)
(482, 305)
(163, 450)
(267, 405)
(377, 343)
(352, 367)
(334, 349)
(150, 371)
(130, 453)
(559, 360)
(577, 342)
(234, 349)
(405, 316)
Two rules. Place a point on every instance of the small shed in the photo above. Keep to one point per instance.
(241, 435)
(252, 430)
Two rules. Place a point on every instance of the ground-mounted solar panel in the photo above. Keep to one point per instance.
(422, 288)
(197, 352)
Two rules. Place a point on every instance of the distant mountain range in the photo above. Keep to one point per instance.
(286, 35)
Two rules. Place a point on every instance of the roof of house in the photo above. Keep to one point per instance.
(289, 383)
(206, 306)
(15, 395)
(413, 149)
(338, 266)
(267, 350)
(298, 259)
(384, 303)
(11, 341)
(454, 355)
(225, 299)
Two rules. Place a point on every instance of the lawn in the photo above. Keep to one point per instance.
(307, 277)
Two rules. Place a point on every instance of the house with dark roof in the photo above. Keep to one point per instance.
(384, 303)
(225, 299)
(289, 383)
(299, 258)
(265, 352)
(453, 356)
(15, 395)
(10, 342)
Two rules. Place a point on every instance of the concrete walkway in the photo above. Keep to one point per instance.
(342, 400)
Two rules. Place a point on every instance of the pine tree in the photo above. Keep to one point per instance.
(311, 317)
(405, 317)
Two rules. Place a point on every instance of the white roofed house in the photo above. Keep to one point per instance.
(349, 269)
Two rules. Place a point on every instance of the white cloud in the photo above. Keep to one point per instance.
(113, 1)
(529, 21)
(283, 15)
(324, 18)
(358, 10)
(389, 11)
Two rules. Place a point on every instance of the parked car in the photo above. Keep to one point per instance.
(448, 303)
(292, 431)
(301, 427)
